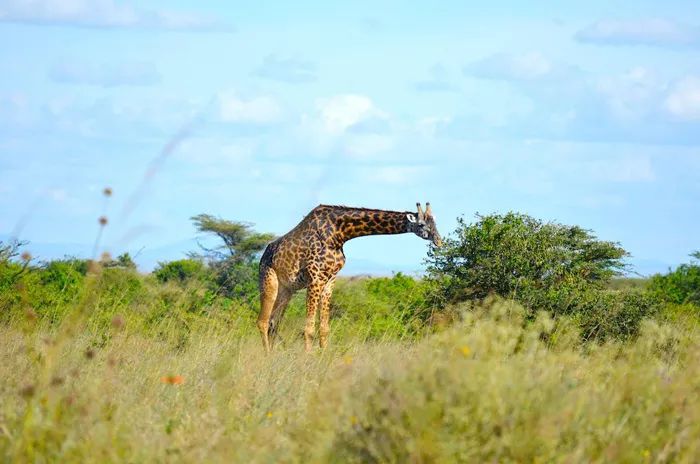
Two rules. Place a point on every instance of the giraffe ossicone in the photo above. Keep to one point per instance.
(311, 255)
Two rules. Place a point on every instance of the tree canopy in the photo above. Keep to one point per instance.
(680, 286)
(240, 241)
(233, 263)
(511, 253)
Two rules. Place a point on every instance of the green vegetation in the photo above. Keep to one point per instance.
(522, 344)
(515, 255)
(562, 269)
(681, 286)
(490, 388)
(182, 270)
(233, 264)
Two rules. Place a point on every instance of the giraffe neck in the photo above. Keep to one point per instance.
(356, 222)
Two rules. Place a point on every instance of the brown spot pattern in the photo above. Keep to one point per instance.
(310, 256)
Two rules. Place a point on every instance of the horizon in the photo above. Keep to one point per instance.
(585, 116)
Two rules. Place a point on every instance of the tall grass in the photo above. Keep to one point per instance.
(490, 388)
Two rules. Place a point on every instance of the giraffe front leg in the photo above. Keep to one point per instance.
(313, 296)
(325, 310)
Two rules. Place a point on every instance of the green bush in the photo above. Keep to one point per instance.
(180, 271)
(605, 315)
(55, 283)
(393, 307)
(679, 287)
(9, 274)
(124, 261)
(236, 279)
(10, 269)
(564, 270)
(63, 274)
(511, 253)
(494, 390)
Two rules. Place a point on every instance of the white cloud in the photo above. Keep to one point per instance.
(14, 109)
(58, 195)
(633, 94)
(349, 124)
(341, 112)
(367, 145)
(599, 201)
(217, 152)
(257, 110)
(106, 75)
(289, 70)
(437, 82)
(102, 13)
(429, 126)
(526, 67)
(396, 175)
(683, 101)
(144, 118)
(624, 169)
(566, 103)
(658, 32)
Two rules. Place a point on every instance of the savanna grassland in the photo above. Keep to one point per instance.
(100, 363)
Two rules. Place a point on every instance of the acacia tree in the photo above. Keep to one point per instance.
(514, 254)
(544, 266)
(10, 270)
(233, 261)
(240, 241)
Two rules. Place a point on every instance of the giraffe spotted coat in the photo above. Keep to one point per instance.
(310, 256)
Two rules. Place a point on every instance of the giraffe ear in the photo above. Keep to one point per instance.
(411, 218)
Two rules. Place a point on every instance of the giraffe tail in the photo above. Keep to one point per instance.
(275, 322)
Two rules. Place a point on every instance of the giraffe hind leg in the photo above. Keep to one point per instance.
(278, 310)
(269, 286)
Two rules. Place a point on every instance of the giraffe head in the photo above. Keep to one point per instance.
(423, 225)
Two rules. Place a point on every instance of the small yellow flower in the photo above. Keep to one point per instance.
(353, 420)
(646, 453)
(347, 360)
(269, 414)
(465, 350)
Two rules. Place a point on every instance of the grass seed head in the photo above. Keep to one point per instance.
(27, 391)
(93, 267)
(118, 322)
(30, 314)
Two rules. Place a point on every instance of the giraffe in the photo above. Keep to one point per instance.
(310, 256)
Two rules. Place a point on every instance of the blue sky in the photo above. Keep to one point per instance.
(585, 115)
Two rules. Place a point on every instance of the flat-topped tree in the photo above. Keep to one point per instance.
(232, 262)
(241, 242)
(310, 256)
